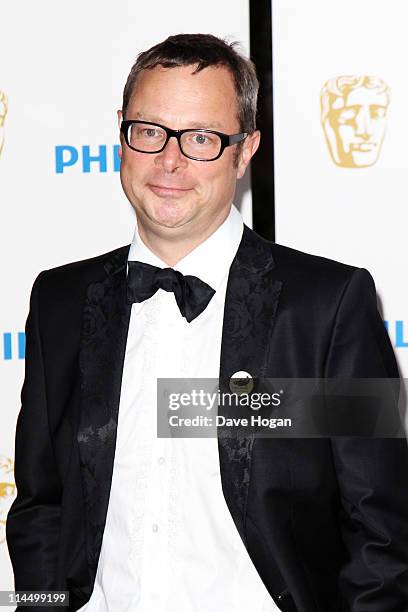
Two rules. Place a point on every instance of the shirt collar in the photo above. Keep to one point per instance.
(210, 260)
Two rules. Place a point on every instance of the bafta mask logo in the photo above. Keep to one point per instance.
(353, 116)
(3, 114)
(7, 492)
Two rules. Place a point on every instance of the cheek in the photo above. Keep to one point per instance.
(219, 177)
(133, 170)
(346, 133)
(379, 128)
(213, 187)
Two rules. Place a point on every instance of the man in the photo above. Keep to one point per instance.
(128, 521)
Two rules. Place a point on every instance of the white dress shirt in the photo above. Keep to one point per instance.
(170, 543)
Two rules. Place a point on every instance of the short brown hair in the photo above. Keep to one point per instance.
(202, 50)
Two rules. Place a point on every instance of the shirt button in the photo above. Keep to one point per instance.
(155, 527)
(161, 460)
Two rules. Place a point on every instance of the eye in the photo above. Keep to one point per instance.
(141, 131)
(200, 138)
(347, 115)
(147, 132)
(377, 112)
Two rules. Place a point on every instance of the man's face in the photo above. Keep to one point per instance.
(171, 193)
(358, 122)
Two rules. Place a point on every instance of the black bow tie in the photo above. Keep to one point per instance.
(192, 294)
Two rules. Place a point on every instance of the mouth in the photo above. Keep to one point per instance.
(165, 191)
(364, 147)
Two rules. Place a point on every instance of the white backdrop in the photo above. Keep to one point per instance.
(62, 71)
(341, 162)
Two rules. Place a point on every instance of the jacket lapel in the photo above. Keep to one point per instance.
(250, 306)
(104, 331)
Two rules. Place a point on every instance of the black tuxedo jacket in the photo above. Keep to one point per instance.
(325, 521)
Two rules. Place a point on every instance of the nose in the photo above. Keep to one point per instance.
(364, 123)
(171, 158)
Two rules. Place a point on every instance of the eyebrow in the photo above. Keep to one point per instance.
(211, 125)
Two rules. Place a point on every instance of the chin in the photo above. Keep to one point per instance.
(170, 214)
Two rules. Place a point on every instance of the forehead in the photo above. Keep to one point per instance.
(176, 96)
(362, 96)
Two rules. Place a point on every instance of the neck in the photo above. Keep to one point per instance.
(172, 244)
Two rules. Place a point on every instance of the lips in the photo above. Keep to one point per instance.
(169, 191)
(363, 147)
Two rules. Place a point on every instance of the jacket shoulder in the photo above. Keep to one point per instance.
(292, 261)
(310, 268)
(287, 256)
(90, 269)
(312, 278)
(68, 283)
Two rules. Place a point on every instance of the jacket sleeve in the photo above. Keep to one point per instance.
(33, 520)
(372, 472)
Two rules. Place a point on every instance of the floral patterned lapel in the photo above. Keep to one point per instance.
(250, 307)
(106, 316)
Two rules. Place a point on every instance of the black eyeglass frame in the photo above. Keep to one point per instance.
(226, 139)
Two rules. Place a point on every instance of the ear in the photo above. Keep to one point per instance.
(120, 117)
(249, 148)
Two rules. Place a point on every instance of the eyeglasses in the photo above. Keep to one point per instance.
(198, 144)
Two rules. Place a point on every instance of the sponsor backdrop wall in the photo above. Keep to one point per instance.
(62, 71)
(340, 135)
